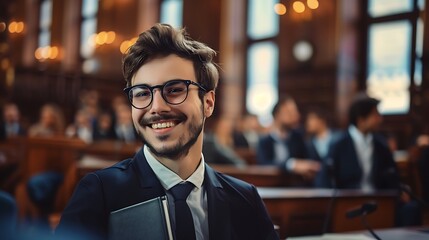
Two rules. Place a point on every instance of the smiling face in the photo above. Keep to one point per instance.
(171, 131)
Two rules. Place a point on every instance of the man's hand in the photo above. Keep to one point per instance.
(306, 168)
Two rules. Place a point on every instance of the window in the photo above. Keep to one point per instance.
(418, 68)
(171, 12)
(88, 27)
(262, 55)
(378, 8)
(262, 20)
(389, 65)
(394, 60)
(45, 22)
(262, 70)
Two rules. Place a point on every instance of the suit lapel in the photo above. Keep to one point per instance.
(152, 187)
(218, 207)
(354, 162)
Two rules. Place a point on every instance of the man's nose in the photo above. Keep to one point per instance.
(158, 103)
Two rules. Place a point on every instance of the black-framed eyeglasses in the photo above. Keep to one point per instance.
(173, 92)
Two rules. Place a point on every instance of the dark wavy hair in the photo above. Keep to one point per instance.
(361, 107)
(162, 40)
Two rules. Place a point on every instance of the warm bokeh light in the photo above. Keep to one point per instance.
(16, 27)
(19, 27)
(2, 26)
(12, 27)
(280, 9)
(53, 52)
(298, 6)
(312, 4)
(101, 38)
(48, 52)
(127, 44)
(124, 46)
(111, 35)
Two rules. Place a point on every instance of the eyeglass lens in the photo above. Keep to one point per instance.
(174, 92)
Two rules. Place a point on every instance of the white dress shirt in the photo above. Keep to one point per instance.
(322, 144)
(281, 152)
(197, 199)
(364, 149)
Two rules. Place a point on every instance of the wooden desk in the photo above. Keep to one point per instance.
(412, 233)
(112, 150)
(301, 212)
(261, 175)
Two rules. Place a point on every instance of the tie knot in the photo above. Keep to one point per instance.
(181, 191)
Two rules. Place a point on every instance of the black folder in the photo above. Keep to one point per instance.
(145, 220)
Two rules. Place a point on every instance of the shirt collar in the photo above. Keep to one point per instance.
(169, 178)
(358, 136)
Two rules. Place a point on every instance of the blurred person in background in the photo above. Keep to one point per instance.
(284, 145)
(51, 122)
(82, 127)
(11, 124)
(218, 144)
(103, 128)
(124, 128)
(247, 132)
(90, 101)
(320, 138)
(363, 160)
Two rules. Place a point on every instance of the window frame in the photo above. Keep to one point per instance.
(368, 20)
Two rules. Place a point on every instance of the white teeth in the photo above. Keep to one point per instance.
(162, 125)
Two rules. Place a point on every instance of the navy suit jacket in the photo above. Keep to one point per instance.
(324, 177)
(347, 170)
(235, 209)
(295, 144)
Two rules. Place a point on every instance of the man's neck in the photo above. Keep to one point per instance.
(185, 165)
(281, 131)
(322, 133)
(364, 131)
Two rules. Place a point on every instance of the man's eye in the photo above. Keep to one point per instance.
(142, 94)
(174, 90)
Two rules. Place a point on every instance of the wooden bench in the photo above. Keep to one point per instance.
(261, 175)
(304, 211)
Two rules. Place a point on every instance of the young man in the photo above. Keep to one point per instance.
(363, 160)
(171, 82)
(320, 138)
(284, 146)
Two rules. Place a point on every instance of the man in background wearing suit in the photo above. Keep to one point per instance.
(363, 160)
(11, 124)
(284, 146)
(171, 82)
(320, 136)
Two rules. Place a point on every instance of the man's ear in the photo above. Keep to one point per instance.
(209, 103)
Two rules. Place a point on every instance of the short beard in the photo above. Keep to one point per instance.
(180, 149)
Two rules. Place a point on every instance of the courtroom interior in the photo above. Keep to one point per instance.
(307, 90)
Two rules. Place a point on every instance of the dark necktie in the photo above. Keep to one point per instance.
(184, 223)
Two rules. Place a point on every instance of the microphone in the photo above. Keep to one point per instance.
(365, 209)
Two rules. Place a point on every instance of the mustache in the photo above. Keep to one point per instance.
(162, 117)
